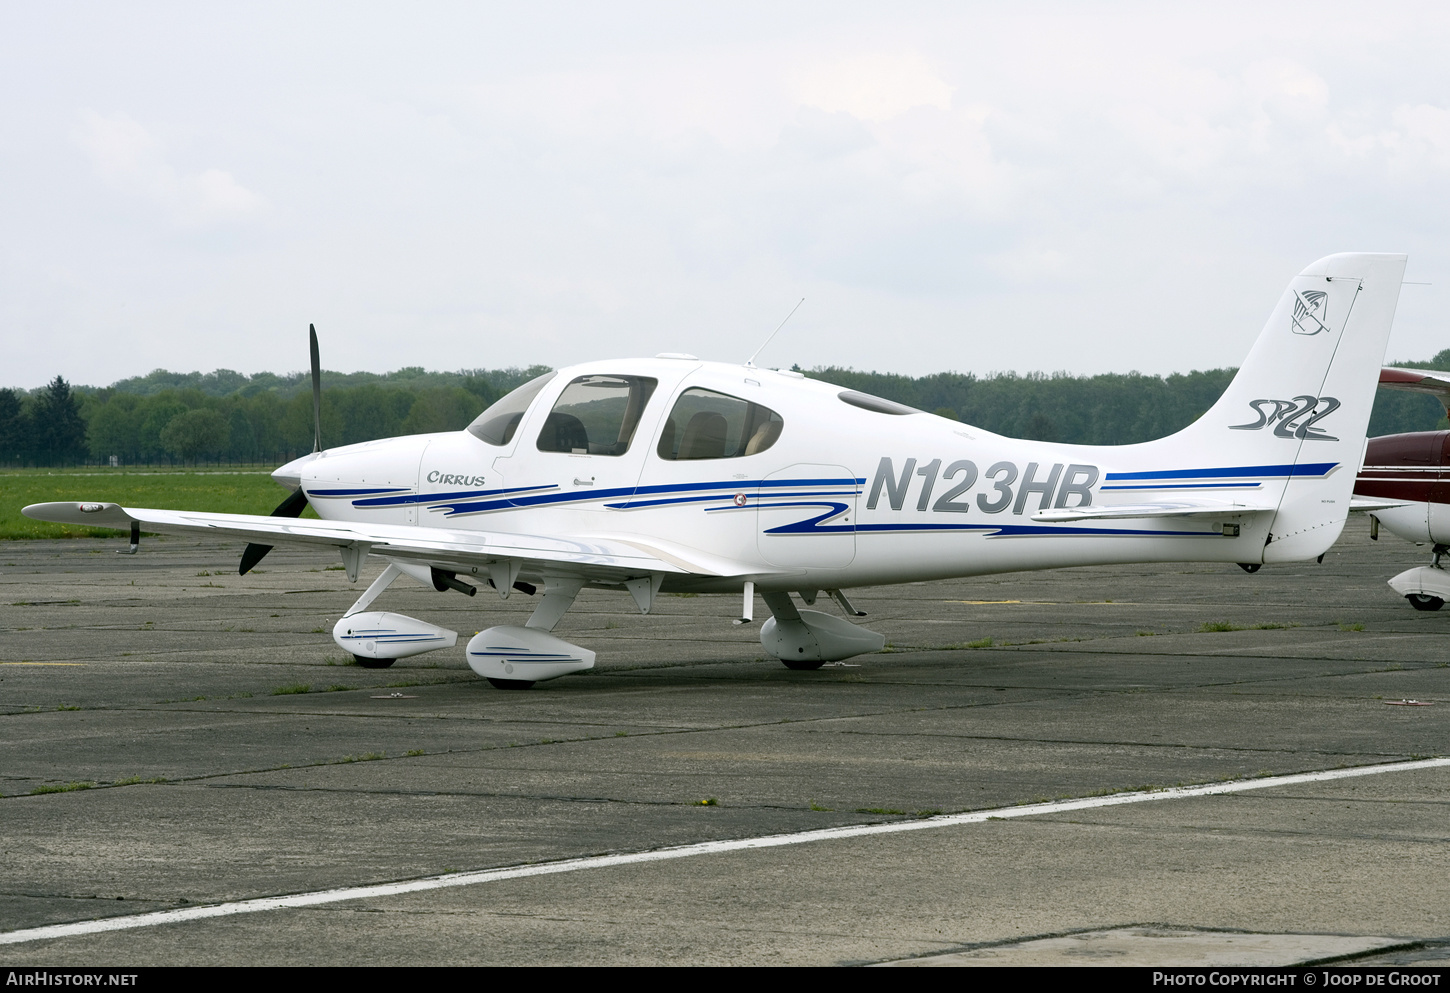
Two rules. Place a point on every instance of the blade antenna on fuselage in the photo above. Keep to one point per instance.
(750, 362)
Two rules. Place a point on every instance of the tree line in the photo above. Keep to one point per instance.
(226, 417)
(223, 417)
(1108, 409)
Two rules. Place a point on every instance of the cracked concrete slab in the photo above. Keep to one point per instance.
(1150, 946)
(270, 793)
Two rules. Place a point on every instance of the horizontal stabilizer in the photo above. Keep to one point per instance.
(1436, 384)
(1370, 504)
(1128, 512)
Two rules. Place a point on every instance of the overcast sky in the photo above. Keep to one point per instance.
(1080, 187)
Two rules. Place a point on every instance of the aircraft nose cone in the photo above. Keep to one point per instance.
(290, 475)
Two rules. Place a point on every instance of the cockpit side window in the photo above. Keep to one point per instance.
(596, 415)
(709, 425)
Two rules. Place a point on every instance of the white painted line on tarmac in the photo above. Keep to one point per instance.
(452, 879)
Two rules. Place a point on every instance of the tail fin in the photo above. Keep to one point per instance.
(1296, 414)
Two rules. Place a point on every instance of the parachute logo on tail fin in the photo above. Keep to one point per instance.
(1310, 311)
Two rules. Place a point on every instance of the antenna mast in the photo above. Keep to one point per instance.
(750, 362)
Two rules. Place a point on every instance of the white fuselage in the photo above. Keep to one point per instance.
(846, 497)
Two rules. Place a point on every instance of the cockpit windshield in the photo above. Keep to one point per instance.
(497, 424)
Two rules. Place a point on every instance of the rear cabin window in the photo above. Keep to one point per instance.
(709, 425)
(867, 402)
(596, 415)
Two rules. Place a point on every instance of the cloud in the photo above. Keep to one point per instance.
(1288, 91)
(874, 87)
(128, 159)
(951, 186)
(1412, 144)
(1426, 129)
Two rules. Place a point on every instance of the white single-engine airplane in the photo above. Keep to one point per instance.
(672, 474)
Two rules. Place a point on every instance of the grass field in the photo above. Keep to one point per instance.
(234, 492)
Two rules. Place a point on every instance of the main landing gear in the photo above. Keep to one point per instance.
(510, 684)
(511, 657)
(508, 656)
(808, 639)
(1425, 587)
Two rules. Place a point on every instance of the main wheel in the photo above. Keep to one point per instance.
(368, 663)
(1423, 601)
(803, 665)
(510, 684)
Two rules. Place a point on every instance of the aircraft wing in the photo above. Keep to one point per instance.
(597, 558)
(1129, 512)
(1370, 504)
(1437, 384)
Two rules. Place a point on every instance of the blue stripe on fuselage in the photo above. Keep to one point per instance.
(545, 499)
(813, 525)
(364, 492)
(632, 504)
(1259, 471)
(1185, 486)
(403, 501)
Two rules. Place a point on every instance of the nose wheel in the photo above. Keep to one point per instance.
(1423, 601)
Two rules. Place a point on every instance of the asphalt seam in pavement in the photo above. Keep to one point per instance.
(179, 780)
(470, 878)
(495, 795)
(1116, 744)
(1234, 835)
(1408, 944)
(659, 732)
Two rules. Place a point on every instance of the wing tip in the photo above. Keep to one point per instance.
(92, 513)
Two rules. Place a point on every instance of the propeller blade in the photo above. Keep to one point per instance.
(251, 555)
(296, 503)
(293, 506)
(316, 393)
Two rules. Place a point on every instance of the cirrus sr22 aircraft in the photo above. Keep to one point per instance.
(676, 475)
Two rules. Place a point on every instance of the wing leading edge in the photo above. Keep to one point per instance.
(597, 558)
